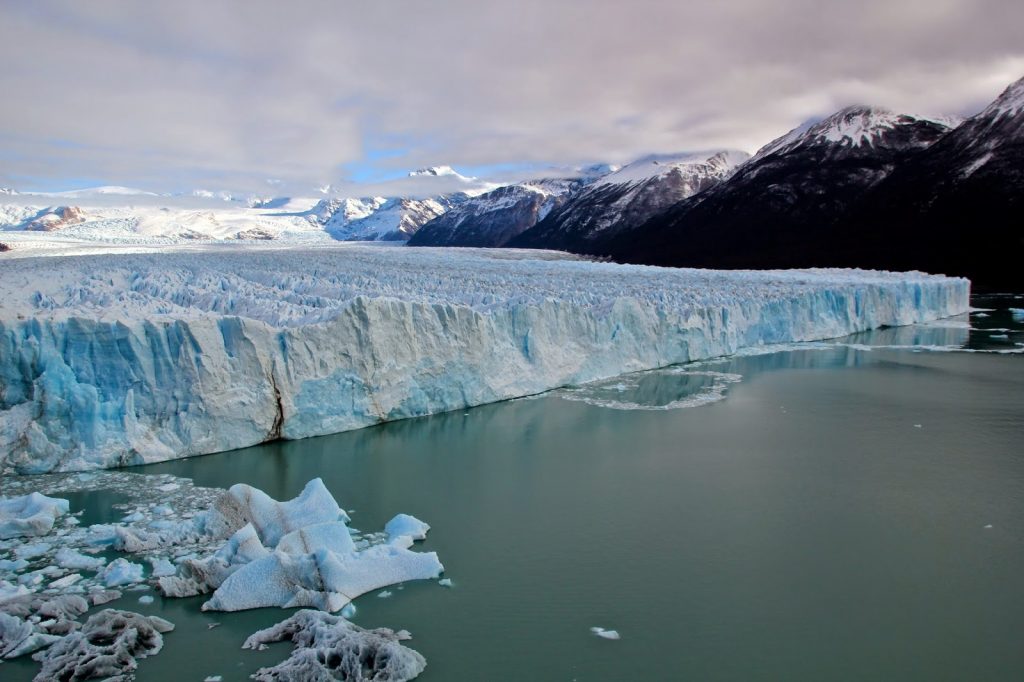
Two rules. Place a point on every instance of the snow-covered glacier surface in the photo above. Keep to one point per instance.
(119, 359)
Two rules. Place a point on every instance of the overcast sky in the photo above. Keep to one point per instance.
(179, 94)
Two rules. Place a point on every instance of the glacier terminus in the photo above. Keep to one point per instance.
(129, 358)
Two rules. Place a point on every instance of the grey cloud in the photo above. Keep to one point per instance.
(217, 94)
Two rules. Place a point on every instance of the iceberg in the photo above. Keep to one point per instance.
(107, 646)
(272, 520)
(329, 648)
(121, 572)
(404, 525)
(296, 553)
(28, 515)
(322, 579)
(19, 637)
(119, 359)
(69, 558)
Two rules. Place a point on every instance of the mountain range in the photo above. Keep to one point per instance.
(864, 187)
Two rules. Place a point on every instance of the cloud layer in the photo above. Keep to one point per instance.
(220, 94)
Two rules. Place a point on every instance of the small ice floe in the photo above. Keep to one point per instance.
(168, 487)
(9, 592)
(69, 558)
(606, 634)
(12, 564)
(981, 314)
(384, 594)
(349, 611)
(32, 550)
(998, 336)
(66, 581)
(162, 567)
(98, 597)
(406, 525)
(121, 572)
(210, 626)
(146, 599)
(918, 426)
(29, 515)
(988, 526)
(19, 637)
(213, 678)
(445, 582)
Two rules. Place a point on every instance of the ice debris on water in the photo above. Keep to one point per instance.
(616, 393)
(445, 582)
(246, 548)
(384, 594)
(29, 515)
(329, 647)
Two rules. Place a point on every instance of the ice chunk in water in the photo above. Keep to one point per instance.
(606, 634)
(121, 572)
(403, 524)
(29, 515)
(329, 647)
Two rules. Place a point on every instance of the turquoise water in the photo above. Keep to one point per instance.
(826, 520)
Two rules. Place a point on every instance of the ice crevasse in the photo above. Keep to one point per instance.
(132, 358)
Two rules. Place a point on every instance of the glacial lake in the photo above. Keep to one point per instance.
(840, 513)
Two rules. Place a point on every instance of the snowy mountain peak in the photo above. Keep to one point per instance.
(658, 165)
(1010, 103)
(850, 127)
(436, 171)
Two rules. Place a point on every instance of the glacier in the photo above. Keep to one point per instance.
(129, 358)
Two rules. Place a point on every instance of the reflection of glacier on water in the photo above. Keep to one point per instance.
(661, 389)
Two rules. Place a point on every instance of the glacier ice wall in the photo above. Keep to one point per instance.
(126, 359)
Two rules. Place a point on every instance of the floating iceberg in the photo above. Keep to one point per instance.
(31, 514)
(132, 358)
(329, 648)
(121, 572)
(606, 634)
(107, 646)
(271, 519)
(69, 558)
(19, 637)
(296, 553)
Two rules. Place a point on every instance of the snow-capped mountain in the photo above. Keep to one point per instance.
(494, 218)
(114, 214)
(377, 218)
(955, 208)
(856, 126)
(438, 171)
(773, 210)
(620, 201)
